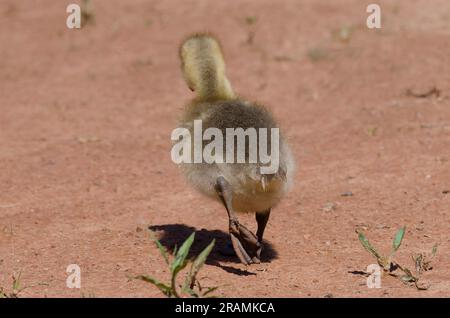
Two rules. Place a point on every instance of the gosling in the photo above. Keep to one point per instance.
(240, 187)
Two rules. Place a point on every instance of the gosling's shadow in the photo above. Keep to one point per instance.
(175, 234)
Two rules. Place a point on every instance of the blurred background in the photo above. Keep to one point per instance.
(86, 116)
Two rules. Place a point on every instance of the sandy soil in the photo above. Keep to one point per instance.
(85, 124)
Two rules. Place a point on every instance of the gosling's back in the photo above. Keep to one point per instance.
(252, 191)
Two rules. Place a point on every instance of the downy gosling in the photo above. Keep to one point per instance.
(241, 186)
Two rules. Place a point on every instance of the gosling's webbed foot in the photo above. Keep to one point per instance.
(245, 243)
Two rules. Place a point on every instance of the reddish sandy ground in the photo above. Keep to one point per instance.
(86, 117)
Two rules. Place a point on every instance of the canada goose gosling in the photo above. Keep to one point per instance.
(239, 186)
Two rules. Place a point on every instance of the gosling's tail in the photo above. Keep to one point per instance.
(203, 68)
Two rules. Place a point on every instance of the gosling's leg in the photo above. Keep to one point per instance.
(245, 243)
(261, 218)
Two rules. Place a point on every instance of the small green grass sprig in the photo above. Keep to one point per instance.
(392, 267)
(15, 290)
(16, 287)
(191, 286)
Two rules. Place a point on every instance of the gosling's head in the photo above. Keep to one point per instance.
(203, 67)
